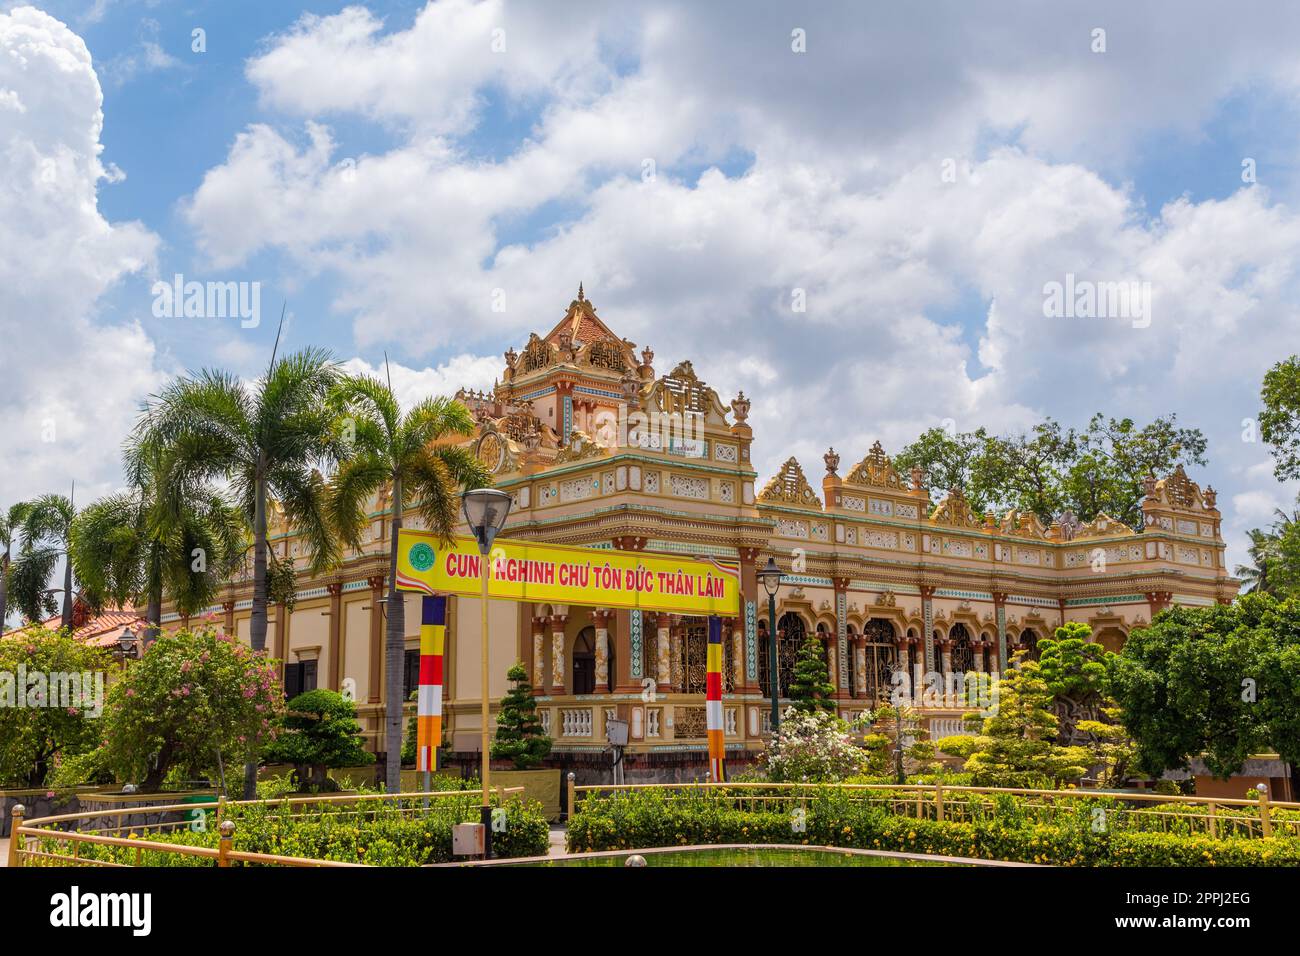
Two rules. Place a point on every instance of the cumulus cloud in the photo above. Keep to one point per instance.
(902, 173)
(71, 384)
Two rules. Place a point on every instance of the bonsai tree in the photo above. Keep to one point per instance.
(196, 700)
(319, 730)
(44, 719)
(519, 735)
(810, 686)
(1017, 744)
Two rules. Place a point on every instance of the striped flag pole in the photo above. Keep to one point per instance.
(428, 706)
(713, 706)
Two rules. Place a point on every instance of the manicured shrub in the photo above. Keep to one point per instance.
(1068, 833)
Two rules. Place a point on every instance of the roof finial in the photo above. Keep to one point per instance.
(580, 296)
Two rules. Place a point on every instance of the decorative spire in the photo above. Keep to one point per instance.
(581, 297)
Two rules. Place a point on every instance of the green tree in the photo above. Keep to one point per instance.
(46, 530)
(1076, 671)
(318, 730)
(810, 684)
(135, 547)
(410, 453)
(269, 441)
(1016, 745)
(1114, 456)
(1279, 422)
(1190, 685)
(1263, 555)
(10, 533)
(519, 735)
(1025, 472)
(196, 699)
(946, 459)
(38, 735)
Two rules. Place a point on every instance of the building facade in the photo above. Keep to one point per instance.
(599, 449)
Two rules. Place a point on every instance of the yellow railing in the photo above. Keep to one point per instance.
(30, 840)
(1217, 817)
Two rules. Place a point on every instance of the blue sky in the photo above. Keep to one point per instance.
(475, 173)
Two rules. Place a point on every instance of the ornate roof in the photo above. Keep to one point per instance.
(876, 471)
(956, 511)
(790, 487)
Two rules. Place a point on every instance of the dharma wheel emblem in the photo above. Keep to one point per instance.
(421, 557)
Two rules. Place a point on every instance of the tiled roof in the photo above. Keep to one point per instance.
(101, 630)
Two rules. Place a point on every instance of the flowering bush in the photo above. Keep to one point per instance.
(815, 746)
(36, 736)
(197, 701)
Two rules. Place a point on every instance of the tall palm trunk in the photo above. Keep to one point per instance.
(394, 655)
(4, 588)
(66, 621)
(257, 622)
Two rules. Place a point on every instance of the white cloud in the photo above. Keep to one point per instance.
(845, 200)
(71, 385)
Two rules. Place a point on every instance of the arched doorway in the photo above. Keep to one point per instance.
(790, 633)
(1111, 638)
(1029, 643)
(584, 661)
(881, 656)
(960, 651)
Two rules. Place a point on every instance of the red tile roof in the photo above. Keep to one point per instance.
(101, 629)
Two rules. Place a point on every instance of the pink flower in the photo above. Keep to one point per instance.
(130, 692)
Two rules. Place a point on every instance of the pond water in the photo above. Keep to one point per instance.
(745, 856)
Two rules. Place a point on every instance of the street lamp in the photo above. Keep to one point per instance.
(485, 512)
(770, 578)
(127, 642)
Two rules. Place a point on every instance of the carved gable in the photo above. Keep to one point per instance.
(876, 471)
(789, 486)
(955, 510)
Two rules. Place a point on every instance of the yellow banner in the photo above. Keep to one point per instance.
(556, 574)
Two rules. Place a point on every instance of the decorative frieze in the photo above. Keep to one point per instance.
(685, 486)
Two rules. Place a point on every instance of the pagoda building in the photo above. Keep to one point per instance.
(599, 450)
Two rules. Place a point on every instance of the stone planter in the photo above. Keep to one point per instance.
(38, 803)
(144, 815)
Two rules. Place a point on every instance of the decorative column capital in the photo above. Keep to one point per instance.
(600, 617)
(376, 582)
(335, 588)
(557, 621)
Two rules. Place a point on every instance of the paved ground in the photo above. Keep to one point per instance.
(557, 840)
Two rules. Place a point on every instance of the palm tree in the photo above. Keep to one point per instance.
(268, 441)
(46, 526)
(410, 454)
(135, 546)
(1263, 552)
(10, 528)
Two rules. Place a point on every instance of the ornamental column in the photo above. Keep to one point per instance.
(1000, 612)
(336, 635)
(839, 651)
(376, 679)
(860, 665)
(663, 662)
(675, 641)
(600, 621)
(228, 622)
(927, 614)
(978, 647)
(736, 627)
(539, 656)
(557, 654)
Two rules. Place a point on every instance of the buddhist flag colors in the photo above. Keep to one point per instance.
(428, 707)
(713, 706)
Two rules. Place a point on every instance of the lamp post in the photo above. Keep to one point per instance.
(770, 578)
(485, 512)
(126, 645)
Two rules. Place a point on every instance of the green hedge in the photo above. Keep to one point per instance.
(378, 835)
(636, 819)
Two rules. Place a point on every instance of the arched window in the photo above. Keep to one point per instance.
(961, 654)
(790, 633)
(1029, 641)
(584, 661)
(881, 657)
